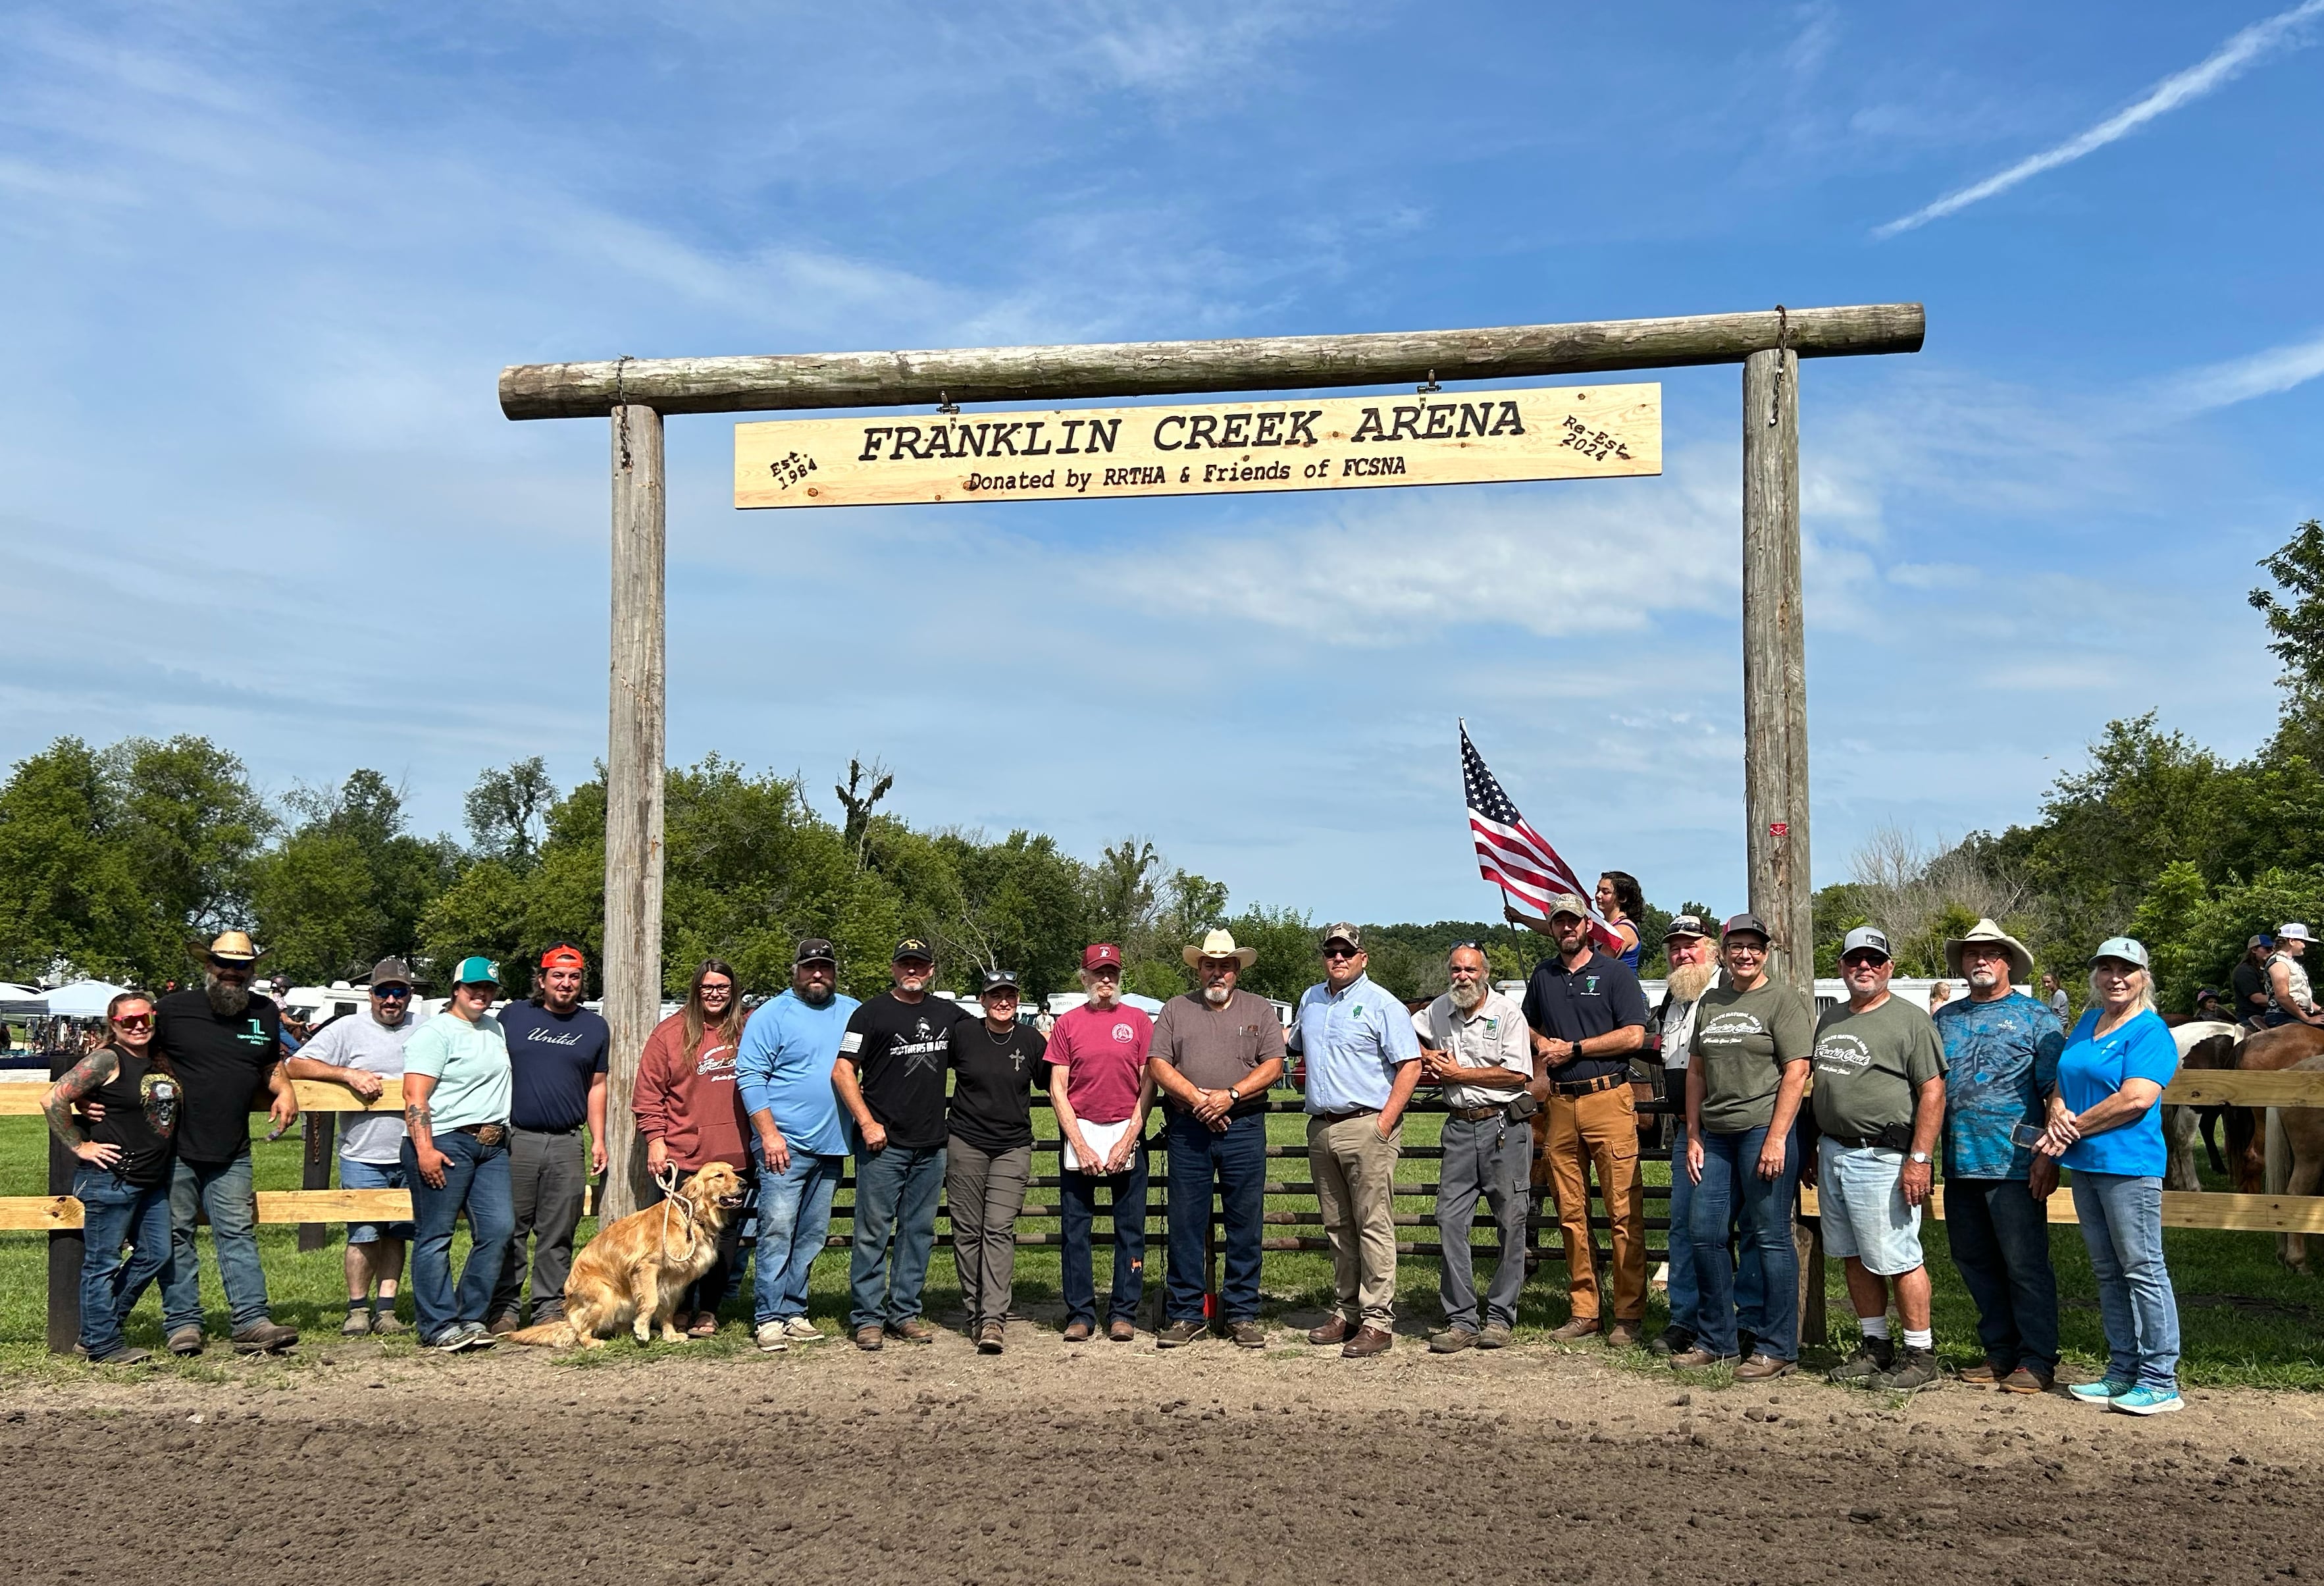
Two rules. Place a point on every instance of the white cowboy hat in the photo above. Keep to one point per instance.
(2021, 960)
(1219, 944)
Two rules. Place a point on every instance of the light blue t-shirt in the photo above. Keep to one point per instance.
(2093, 1067)
(785, 1069)
(1353, 1041)
(470, 1065)
(2001, 1058)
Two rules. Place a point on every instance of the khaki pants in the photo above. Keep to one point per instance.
(1355, 1174)
(1602, 1127)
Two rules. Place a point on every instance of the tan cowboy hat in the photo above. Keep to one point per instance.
(1219, 944)
(231, 947)
(2021, 961)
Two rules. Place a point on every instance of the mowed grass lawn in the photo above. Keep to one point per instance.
(2245, 1319)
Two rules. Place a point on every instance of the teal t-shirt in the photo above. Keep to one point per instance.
(470, 1065)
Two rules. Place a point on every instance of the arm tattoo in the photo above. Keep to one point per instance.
(417, 1116)
(79, 1082)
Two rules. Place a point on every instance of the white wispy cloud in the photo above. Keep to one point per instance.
(2229, 60)
(2259, 374)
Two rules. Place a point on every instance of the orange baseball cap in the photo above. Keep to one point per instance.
(564, 956)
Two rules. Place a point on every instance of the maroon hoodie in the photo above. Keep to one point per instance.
(691, 1107)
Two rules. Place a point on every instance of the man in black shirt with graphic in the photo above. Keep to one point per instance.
(226, 1043)
(890, 1079)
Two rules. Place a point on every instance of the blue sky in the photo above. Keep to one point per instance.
(265, 264)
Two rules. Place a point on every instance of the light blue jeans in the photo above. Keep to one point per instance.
(222, 1189)
(794, 1213)
(2122, 1224)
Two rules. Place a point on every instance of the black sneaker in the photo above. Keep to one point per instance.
(1874, 1358)
(1915, 1369)
(1671, 1341)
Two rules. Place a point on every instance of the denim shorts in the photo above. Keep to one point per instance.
(373, 1175)
(1860, 1196)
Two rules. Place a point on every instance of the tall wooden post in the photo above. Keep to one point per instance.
(634, 789)
(67, 1247)
(1774, 665)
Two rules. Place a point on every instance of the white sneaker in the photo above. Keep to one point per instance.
(800, 1331)
(771, 1338)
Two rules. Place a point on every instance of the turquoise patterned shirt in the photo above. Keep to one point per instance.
(2001, 1060)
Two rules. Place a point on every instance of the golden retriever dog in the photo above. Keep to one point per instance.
(636, 1270)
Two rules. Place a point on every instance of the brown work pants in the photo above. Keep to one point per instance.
(1600, 1128)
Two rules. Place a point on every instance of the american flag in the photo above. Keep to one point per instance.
(1513, 856)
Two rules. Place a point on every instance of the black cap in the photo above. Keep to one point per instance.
(994, 980)
(815, 950)
(912, 947)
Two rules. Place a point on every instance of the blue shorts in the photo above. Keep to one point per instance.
(1860, 1196)
(373, 1175)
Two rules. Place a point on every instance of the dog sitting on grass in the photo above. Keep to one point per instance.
(637, 1270)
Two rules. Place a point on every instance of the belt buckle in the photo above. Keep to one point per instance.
(490, 1134)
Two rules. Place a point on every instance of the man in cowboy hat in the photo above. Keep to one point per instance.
(226, 1043)
(2001, 1052)
(1214, 1054)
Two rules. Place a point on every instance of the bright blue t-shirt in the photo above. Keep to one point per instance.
(1353, 1041)
(785, 1068)
(2001, 1058)
(2093, 1067)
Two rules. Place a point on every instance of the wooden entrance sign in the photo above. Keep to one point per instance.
(1318, 443)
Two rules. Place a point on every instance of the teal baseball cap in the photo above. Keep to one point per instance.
(472, 971)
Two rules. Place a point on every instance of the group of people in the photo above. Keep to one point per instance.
(504, 1118)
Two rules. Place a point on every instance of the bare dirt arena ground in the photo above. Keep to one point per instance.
(1115, 1462)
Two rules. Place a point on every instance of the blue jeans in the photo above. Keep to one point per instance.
(475, 1176)
(1237, 1161)
(1077, 1207)
(115, 1213)
(223, 1190)
(895, 1191)
(2000, 1240)
(2122, 1224)
(794, 1211)
(1733, 1194)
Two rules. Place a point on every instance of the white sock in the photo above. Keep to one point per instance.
(1873, 1326)
(1920, 1338)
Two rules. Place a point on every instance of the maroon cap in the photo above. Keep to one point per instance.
(1100, 953)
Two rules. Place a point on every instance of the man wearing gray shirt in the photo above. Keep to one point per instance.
(1474, 1043)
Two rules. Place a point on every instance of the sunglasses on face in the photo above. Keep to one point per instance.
(1341, 952)
(390, 993)
(136, 1021)
(1862, 957)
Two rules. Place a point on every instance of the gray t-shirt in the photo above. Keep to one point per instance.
(360, 1042)
(1869, 1066)
(1491, 1036)
(1742, 1040)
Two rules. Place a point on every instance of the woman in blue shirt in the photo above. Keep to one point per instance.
(2105, 1123)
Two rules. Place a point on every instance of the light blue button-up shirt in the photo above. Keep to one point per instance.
(1353, 1041)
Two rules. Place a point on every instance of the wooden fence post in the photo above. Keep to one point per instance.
(66, 1245)
(321, 1133)
(1775, 667)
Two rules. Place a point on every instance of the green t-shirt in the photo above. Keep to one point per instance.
(1869, 1066)
(1742, 1039)
(470, 1065)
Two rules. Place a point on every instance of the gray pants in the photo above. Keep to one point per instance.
(548, 1181)
(984, 1191)
(1498, 1160)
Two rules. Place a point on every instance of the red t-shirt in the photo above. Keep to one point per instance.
(1103, 1054)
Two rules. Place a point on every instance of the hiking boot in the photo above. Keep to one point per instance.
(868, 1338)
(2025, 1379)
(358, 1322)
(991, 1339)
(385, 1323)
(1915, 1369)
(1874, 1357)
(1369, 1341)
(1672, 1340)
(1764, 1368)
(262, 1338)
(1580, 1327)
(1622, 1335)
(1176, 1335)
(1495, 1336)
(1337, 1331)
(800, 1331)
(503, 1324)
(1249, 1335)
(126, 1355)
(186, 1341)
(1078, 1332)
(912, 1330)
(1451, 1340)
(770, 1338)
(1698, 1358)
(1984, 1373)
(1121, 1331)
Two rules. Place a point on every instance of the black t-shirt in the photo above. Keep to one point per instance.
(141, 1113)
(992, 1091)
(1573, 1004)
(2249, 980)
(902, 1051)
(223, 1063)
(552, 1058)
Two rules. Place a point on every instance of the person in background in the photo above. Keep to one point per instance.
(1753, 1041)
(989, 1153)
(1475, 1043)
(889, 1075)
(361, 1052)
(122, 1179)
(1101, 1098)
(2289, 999)
(2210, 1004)
(1216, 1054)
(690, 1115)
(2248, 981)
(2106, 1124)
(1622, 903)
(1940, 994)
(797, 1145)
(2055, 994)
(2001, 1058)
(456, 1157)
(225, 1045)
(559, 1055)
(1694, 955)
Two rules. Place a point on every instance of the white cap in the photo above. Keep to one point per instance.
(2295, 932)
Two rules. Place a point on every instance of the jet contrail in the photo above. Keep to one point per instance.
(2224, 64)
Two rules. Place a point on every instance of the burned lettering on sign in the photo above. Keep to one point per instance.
(1594, 444)
(791, 470)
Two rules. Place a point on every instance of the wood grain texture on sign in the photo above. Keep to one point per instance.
(1310, 443)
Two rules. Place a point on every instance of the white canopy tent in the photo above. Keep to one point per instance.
(83, 1000)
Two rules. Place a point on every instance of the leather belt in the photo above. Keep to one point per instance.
(1474, 1115)
(1340, 1117)
(1586, 1086)
(485, 1134)
(1860, 1142)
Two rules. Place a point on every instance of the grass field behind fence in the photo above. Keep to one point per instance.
(2245, 1319)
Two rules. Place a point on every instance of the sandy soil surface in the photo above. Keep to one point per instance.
(1120, 1462)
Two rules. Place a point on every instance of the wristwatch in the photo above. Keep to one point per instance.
(1921, 1156)
(1234, 1096)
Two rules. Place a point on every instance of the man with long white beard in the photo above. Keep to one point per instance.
(1693, 954)
(226, 1045)
(1473, 1042)
(1214, 1057)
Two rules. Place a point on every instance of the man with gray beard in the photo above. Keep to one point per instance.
(1693, 954)
(226, 1046)
(1473, 1042)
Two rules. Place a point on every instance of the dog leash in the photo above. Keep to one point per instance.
(666, 1178)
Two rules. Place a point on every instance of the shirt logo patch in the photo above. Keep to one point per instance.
(1124, 1033)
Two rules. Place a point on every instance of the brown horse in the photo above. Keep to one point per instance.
(2265, 1051)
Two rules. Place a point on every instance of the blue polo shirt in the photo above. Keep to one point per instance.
(785, 1068)
(1595, 998)
(1354, 1041)
(2093, 1067)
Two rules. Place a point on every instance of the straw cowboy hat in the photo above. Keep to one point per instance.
(2021, 961)
(1219, 944)
(229, 947)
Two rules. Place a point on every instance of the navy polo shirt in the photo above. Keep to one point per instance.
(1599, 997)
